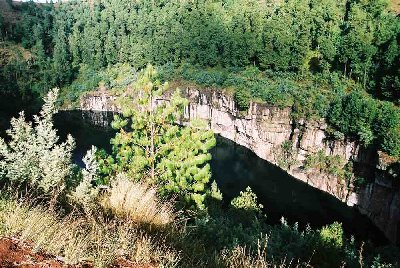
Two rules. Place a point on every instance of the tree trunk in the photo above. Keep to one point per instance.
(152, 153)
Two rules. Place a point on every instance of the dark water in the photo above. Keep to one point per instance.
(234, 168)
(86, 133)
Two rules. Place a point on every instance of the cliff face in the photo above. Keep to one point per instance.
(270, 133)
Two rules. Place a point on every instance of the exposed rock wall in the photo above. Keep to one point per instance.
(265, 129)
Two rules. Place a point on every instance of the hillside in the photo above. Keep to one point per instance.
(312, 86)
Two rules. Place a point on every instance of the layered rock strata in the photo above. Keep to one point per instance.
(270, 132)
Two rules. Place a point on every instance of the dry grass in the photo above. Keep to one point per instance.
(77, 238)
(240, 257)
(395, 6)
(138, 202)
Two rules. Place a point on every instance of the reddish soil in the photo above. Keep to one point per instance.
(16, 253)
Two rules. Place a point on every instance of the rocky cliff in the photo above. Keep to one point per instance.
(270, 132)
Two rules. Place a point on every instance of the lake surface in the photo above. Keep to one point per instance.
(234, 168)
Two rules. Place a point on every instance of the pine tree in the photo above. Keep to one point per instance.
(61, 57)
(358, 46)
(150, 146)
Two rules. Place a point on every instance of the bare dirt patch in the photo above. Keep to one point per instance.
(16, 253)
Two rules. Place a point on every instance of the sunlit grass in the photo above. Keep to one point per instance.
(138, 203)
(78, 239)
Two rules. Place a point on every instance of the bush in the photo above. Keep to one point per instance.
(242, 99)
(330, 251)
(368, 120)
(34, 156)
(247, 200)
(287, 155)
(331, 164)
(387, 128)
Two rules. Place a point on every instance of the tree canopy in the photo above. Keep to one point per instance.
(292, 39)
(150, 146)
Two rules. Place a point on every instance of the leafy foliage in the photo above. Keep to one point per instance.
(214, 236)
(34, 156)
(331, 164)
(356, 38)
(305, 47)
(86, 192)
(370, 121)
(247, 200)
(151, 147)
(287, 155)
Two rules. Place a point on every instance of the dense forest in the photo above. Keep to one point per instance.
(332, 59)
(154, 195)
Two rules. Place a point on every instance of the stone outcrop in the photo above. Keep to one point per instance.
(99, 101)
(270, 132)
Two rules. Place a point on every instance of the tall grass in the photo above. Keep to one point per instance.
(241, 257)
(78, 239)
(138, 202)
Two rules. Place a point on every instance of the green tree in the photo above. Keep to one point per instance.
(287, 36)
(2, 28)
(243, 37)
(358, 44)
(354, 115)
(327, 19)
(151, 146)
(247, 200)
(61, 56)
(387, 127)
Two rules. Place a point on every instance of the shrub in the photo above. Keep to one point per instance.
(287, 157)
(33, 156)
(242, 98)
(368, 120)
(333, 235)
(330, 251)
(87, 191)
(247, 200)
(215, 193)
(387, 127)
(330, 164)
